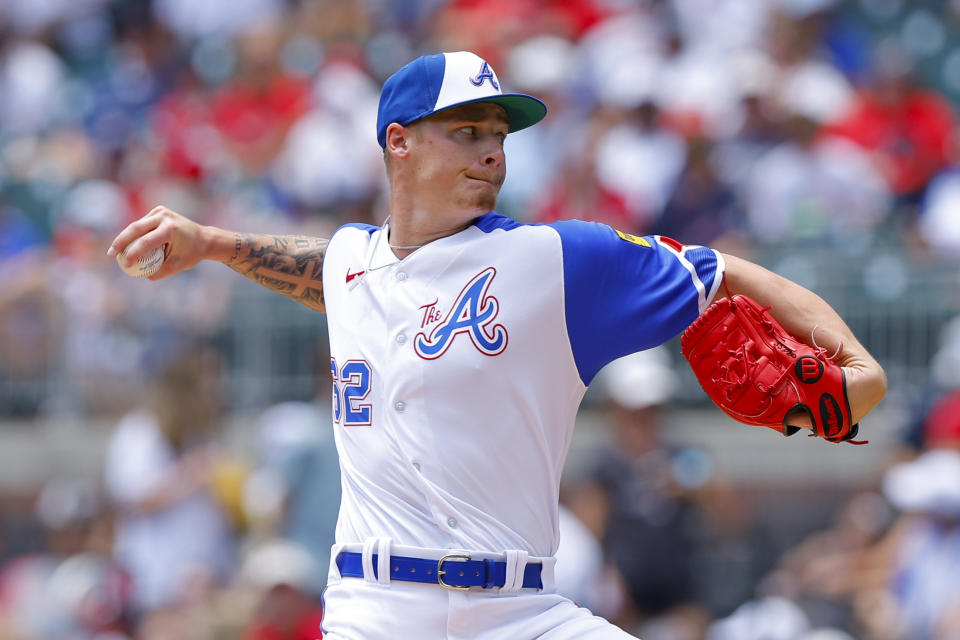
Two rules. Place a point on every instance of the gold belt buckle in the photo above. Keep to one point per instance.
(441, 572)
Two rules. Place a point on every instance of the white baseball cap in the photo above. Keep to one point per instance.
(441, 81)
(640, 380)
(278, 561)
(929, 484)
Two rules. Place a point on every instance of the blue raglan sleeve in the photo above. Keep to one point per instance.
(625, 293)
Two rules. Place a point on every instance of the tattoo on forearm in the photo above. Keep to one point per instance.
(291, 265)
(238, 243)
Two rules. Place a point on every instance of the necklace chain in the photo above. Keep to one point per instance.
(398, 246)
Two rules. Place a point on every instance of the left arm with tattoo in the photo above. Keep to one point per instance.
(289, 265)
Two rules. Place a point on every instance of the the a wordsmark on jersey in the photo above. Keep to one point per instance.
(473, 313)
(486, 73)
(632, 238)
(430, 313)
(351, 276)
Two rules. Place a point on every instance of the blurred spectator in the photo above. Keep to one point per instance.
(806, 82)
(767, 618)
(694, 84)
(30, 17)
(101, 350)
(823, 572)
(224, 18)
(32, 79)
(72, 589)
(771, 618)
(702, 209)
(637, 156)
(295, 493)
(647, 528)
(254, 110)
(736, 544)
(578, 192)
(795, 183)
(172, 534)
(620, 56)
(945, 362)
(725, 25)
(287, 577)
(815, 187)
(74, 517)
(581, 573)
(912, 586)
(641, 160)
(508, 22)
(31, 323)
(89, 593)
(938, 225)
(909, 130)
(757, 129)
(25, 611)
(330, 160)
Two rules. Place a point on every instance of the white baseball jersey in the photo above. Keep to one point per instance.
(458, 371)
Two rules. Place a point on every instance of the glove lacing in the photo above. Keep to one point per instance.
(821, 352)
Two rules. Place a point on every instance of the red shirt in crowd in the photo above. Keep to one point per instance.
(912, 136)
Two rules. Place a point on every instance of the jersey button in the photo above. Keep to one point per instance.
(452, 522)
(401, 338)
(416, 465)
(401, 276)
(400, 407)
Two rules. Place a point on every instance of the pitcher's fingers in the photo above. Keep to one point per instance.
(134, 230)
(146, 243)
(800, 419)
(168, 268)
(171, 264)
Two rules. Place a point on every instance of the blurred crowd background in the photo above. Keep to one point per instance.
(166, 460)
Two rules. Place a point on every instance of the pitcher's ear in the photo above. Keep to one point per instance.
(397, 138)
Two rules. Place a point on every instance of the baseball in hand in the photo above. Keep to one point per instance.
(145, 266)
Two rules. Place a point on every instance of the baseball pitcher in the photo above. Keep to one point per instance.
(462, 343)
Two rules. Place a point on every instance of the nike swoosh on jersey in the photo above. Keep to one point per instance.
(351, 276)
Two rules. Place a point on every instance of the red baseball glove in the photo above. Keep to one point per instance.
(761, 375)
